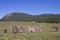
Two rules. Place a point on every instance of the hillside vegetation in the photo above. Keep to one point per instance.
(22, 17)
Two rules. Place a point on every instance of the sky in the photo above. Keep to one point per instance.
(33, 7)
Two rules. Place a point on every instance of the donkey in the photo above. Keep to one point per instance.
(15, 29)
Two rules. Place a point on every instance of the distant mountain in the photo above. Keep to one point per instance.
(49, 18)
(17, 17)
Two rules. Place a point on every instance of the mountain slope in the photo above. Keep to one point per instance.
(17, 17)
(49, 18)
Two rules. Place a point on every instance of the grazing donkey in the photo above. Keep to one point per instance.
(37, 29)
(15, 29)
(31, 29)
(34, 29)
(54, 28)
(4, 31)
(21, 29)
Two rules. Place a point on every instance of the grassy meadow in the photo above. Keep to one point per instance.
(46, 34)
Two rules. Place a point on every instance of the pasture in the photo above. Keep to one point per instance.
(45, 34)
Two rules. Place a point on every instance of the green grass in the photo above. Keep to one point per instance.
(44, 35)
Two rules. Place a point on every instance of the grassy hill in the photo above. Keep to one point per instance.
(22, 17)
(17, 17)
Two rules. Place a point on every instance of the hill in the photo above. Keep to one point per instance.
(17, 17)
(49, 18)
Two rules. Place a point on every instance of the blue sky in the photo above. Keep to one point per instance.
(33, 7)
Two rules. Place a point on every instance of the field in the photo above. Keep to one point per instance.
(46, 34)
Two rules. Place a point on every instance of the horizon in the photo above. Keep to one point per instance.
(32, 7)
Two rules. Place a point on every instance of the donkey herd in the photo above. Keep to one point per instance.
(16, 29)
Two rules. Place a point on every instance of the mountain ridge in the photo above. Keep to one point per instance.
(28, 18)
